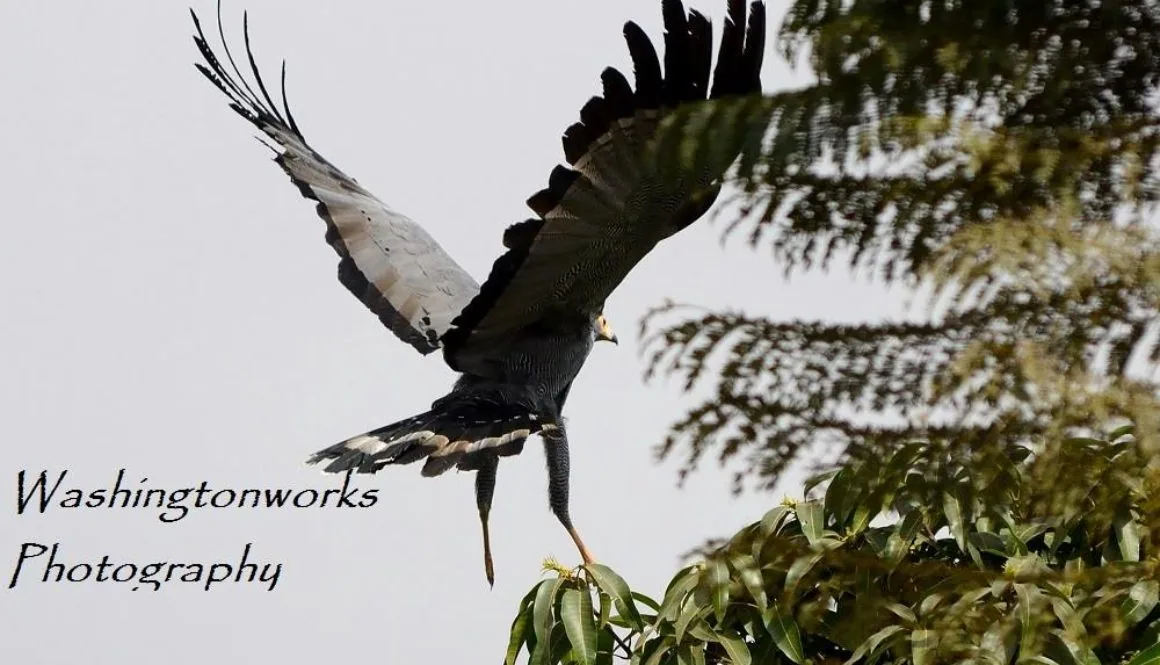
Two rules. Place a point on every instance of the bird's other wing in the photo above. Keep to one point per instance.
(387, 261)
(599, 218)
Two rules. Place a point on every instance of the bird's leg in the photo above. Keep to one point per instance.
(484, 489)
(556, 453)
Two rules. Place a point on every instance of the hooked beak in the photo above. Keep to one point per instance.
(604, 331)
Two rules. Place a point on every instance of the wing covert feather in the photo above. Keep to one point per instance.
(390, 263)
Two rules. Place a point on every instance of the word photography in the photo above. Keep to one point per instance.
(43, 563)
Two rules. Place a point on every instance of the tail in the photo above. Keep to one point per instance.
(459, 429)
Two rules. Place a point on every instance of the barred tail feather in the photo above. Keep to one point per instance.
(456, 431)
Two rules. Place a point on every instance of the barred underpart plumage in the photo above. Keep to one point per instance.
(519, 340)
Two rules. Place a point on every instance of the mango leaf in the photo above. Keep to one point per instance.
(615, 586)
(520, 628)
(999, 643)
(605, 646)
(953, 511)
(1121, 431)
(605, 609)
(812, 519)
(717, 583)
(1025, 609)
(698, 653)
(901, 611)
(929, 603)
(685, 654)
(865, 510)
(784, 631)
(646, 601)
(869, 648)
(988, 542)
(579, 624)
(1068, 651)
(772, 520)
(692, 612)
(542, 607)
(1038, 660)
(799, 568)
(675, 596)
(655, 650)
(898, 544)
(750, 575)
(836, 496)
(735, 647)
(559, 646)
(922, 642)
(1127, 535)
(817, 479)
(1149, 656)
(1142, 598)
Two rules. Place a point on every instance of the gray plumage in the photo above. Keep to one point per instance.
(519, 340)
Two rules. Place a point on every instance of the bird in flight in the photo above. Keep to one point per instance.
(518, 340)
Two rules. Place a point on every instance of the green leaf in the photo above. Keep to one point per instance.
(902, 612)
(655, 650)
(812, 519)
(605, 609)
(869, 648)
(922, 642)
(784, 631)
(615, 586)
(1149, 656)
(1121, 432)
(772, 521)
(1127, 535)
(698, 653)
(817, 479)
(988, 542)
(519, 628)
(675, 596)
(836, 496)
(646, 601)
(898, 544)
(717, 580)
(735, 647)
(1064, 649)
(929, 603)
(799, 568)
(1025, 609)
(953, 511)
(605, 645)
(999, 643)
(1142, 598)
(579, 623)
(692, 612)
(750, 575)
(701, 631)
(542, 607)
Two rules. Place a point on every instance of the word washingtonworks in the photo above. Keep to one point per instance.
(47, 491)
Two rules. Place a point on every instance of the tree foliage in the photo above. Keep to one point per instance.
(998, 158)
(932, 555)
(1001, 160)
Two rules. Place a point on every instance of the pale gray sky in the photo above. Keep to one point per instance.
(170, 307)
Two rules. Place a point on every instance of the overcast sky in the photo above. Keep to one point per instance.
(169, 306)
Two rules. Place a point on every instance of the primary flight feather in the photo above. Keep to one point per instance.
(518, 340)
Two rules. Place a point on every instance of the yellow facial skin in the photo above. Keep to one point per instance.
(604, 331)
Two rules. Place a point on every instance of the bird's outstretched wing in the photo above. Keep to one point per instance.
(387, 261)
(599, 218)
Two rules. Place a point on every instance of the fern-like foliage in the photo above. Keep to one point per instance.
(1000, 156)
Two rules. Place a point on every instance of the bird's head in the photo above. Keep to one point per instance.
(604, 330)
